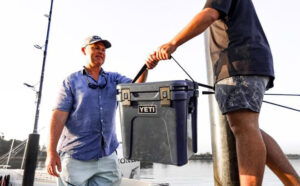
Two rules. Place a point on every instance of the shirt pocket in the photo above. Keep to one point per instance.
(111, 91)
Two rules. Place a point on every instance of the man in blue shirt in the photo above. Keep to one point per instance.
(243, 70)
(84, 121)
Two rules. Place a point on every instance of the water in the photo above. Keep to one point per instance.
(195, 173)
(198, 173)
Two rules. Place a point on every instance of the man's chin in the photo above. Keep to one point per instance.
(98, 63)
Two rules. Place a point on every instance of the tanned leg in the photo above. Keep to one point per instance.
(278, 163)
(250, 146)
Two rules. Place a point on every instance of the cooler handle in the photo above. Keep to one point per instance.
(142, 70)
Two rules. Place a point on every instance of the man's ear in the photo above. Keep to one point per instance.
(83, 50)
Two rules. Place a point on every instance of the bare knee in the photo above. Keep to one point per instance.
(243, 122)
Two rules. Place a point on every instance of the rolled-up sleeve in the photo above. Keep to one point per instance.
(122, 79)
(223, 6)
(65, 98)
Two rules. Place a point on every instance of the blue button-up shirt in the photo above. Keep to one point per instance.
(89, 131)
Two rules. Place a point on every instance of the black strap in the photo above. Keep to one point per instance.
(142, 70)
(200, 84)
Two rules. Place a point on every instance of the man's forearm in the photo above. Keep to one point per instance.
(56, 126)
(143, 77)
(198, 25)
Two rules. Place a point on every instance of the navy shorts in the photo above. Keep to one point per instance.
(241, 92)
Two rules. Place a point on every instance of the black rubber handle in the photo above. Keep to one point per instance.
(140, 73)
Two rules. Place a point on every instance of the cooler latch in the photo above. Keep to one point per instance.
(125, 97)
(165, 96)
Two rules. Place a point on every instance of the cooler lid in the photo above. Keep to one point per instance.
(175, 85)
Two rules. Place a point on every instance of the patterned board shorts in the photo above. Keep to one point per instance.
(241, 92)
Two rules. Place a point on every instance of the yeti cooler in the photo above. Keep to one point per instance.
(159, 121)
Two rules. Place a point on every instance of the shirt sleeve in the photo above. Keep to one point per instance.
(122, 79)
(65, 97)
(223, 6)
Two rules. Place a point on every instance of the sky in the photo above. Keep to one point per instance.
(135, 28)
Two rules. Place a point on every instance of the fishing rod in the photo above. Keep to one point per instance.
(32, 146)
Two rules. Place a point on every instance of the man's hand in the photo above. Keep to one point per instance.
(53, 161)
(163, 53)
(152, 61)
(57, 123)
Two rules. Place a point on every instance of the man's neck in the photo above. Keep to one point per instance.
(94, 71)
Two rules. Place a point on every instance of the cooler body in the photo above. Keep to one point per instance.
(159, 121)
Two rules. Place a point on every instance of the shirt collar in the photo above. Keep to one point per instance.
(84, 71)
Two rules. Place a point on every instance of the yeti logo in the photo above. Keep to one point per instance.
(151, 109)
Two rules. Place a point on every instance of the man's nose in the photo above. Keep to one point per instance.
(101, 51)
